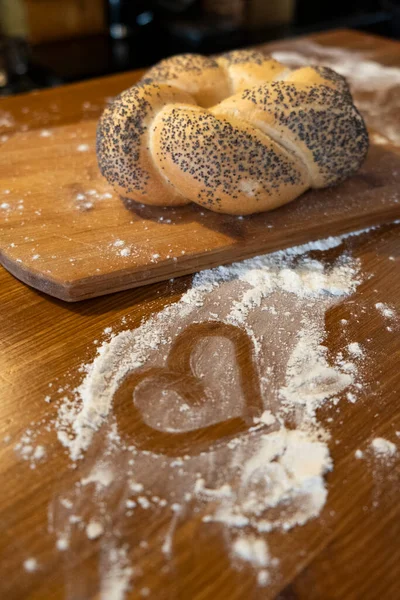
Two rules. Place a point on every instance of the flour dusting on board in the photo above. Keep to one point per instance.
(269, 476)
(289, 276)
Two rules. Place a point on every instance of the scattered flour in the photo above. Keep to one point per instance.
(62, 544)
(263, 578)
(28, 450)
(268, 477)
(267, 418)
(89, 199)
(385, 310)
(6, 119)
(39, 453)
(310, 379)
(101, 475)
(30, 565)
(252, 549)
(355, 349)
(94, 530)
(117, 574)
(351, 397)
(383, 448)
(271, 478)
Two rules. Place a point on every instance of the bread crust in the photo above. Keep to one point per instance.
(238, 134)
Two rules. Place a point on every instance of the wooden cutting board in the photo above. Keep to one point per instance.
(64, 231)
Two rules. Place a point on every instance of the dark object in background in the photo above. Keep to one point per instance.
(393, 8)
(13, 61)
(308, 13)
(124, 17)
(141, 32)
(203, 25)
(17, 73)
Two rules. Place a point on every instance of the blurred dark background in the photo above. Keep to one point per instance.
(47, 42)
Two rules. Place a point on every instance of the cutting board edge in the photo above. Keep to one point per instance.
(87, 288)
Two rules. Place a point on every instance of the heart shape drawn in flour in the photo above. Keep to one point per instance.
(178, 375)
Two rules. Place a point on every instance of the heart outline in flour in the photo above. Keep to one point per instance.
(178, 373)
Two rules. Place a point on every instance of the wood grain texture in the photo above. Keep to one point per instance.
(62, 224)
(350, 552)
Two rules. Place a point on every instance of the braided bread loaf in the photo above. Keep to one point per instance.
(238, 134)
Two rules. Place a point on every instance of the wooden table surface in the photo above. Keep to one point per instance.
(352, 551)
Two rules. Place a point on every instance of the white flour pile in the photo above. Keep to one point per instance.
(268, 477)
(383, 448)
(385, 310)
(255, 551)
(286, 471)
(378, 86)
